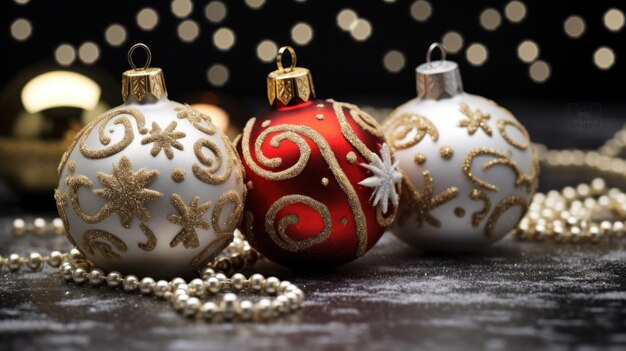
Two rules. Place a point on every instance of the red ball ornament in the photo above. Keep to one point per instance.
(322, 186)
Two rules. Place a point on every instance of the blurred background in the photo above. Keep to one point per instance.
(555, 65)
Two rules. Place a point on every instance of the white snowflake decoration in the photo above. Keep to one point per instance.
(383, 180)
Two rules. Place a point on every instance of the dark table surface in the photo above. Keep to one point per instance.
(513, 296)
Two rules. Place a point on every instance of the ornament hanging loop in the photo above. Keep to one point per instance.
(279, 58)
(148, 56)
(432, 48)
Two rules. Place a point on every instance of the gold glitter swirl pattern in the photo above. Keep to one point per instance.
(178, 175)
(124, 192)
(348, 133)
(419, 158)
(503, 123)
(106, 246)
(446, 152)
(521, 179)
(207, 175)
(294, 132)
(120, 116)
(474, 120)
(362, 118)
(233, 218)
(279, 234)
(479, 195)
(351, 157)
(188, 217)
(152, 240)
(421, 203)
(74, 183)
(502, 207)
(164, 140)
(401, 126)
(287, 134)
(198, 119)
(382, 220)
(223, 236)
(61, 202)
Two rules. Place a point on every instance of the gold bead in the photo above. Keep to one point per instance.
(19, 227)
(213, 285)
(236, 261)
(208, 273)
(131, 283)
(618, 229)
(192, 305)
(146, 286)
(229, 305)
(79, 275)
(281, 304)
(176, 282)
(39, 226)
(196, 287)
(208, 310)
(237, 281)
(223, 265)
(282, 287)
(271, 285)
(114, 279)
(245, 309)
(293, 300)
(605, 228)
(14, 262)
(160, 288)
(57, 226)
(66, 273)
(180, 302)
(75, 255)
(96, 276)
(35, 261)
(257, 282)
(264, 308)
(55, 259)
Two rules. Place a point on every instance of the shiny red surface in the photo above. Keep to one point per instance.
(341, 246)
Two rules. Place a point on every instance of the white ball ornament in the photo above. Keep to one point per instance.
(151, 187)
(469, 167)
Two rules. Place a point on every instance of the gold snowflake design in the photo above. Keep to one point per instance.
(189, 217)
(125, 193)
(474, 120)
(164, 139)
(421, 203)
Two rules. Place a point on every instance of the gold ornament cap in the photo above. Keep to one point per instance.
(289, 84)
(438, 79)
(140, 83)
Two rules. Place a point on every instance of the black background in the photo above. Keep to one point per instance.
(342, 67)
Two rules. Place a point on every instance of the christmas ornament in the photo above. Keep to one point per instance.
(468, 164)
(322, 186)
(151, 187)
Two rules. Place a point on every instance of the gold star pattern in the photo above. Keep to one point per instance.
(164, 139)
(422, 202)
(124, 191)
(189, 217)
(474, 120)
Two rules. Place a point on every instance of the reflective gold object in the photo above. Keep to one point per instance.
(139, 82)
(286, 84)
